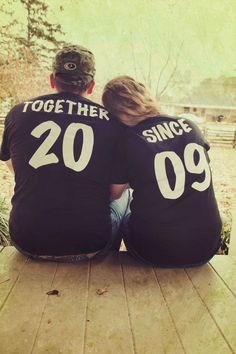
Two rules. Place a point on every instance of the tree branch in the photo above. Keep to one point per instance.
(173, 72)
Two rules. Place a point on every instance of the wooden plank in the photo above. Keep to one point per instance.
(225, 267)
(11, 264)
(219, 300)
(55, 335)
(228, 144)
(108, 328)
(221, 144)
(198, 331)
(220, 136)
(153, 329)
(220, 133)
(21, 314)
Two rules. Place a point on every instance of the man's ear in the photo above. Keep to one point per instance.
(52, 81)
(91, 87)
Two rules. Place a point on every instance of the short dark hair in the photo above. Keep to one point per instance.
(64, 87)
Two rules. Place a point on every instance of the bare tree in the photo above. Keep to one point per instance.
(161, 91)
(150, 77)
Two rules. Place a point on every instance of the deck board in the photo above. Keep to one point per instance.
(108, 328)
(219, 300)
(70, 306)
(192, 319)
(225, 267)
(11, 264)
(22, 311)
(153, 329)
(145, 310)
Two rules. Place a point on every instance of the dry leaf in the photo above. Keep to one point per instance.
(53, 292)
(102, 291)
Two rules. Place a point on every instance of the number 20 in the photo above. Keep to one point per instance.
(179, 170)
(41, 157)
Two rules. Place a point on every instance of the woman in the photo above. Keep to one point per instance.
(174, 220)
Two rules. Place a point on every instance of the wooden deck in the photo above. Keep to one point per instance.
(140, 309)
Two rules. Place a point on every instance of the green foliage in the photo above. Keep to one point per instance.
(22, 78)
(225, 234)
(40, 33)
(29, 30)
(4, 216)
(28, 40)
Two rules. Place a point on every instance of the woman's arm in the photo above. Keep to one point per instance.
(116, 190)
(9, 165)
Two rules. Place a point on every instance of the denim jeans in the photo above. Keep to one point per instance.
(118, 210)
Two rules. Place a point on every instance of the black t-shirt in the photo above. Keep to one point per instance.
(174, 209)
(62, 148)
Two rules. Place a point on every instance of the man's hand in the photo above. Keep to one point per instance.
(116, 190)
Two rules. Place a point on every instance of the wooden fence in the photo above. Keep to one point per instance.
(2, 121)
(222, 136)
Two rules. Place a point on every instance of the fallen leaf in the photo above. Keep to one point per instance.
(102, 291)
(53, 292)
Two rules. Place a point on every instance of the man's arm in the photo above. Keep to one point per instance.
(9, 165)
(116, 190)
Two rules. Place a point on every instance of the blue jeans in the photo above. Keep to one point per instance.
(118, 209)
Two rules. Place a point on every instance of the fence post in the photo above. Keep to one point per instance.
(232, 243)
(234, 142)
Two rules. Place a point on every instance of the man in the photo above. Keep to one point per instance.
(61, 150)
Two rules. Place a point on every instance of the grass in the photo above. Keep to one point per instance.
(4, 215)
(223, 162)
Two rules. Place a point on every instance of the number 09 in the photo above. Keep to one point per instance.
(179, 170)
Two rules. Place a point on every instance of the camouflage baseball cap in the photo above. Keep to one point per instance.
(74, 65)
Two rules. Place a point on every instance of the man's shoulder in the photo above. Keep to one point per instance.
(19, 106)
(100, 106)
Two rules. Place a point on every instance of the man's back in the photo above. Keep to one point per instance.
(61, 146)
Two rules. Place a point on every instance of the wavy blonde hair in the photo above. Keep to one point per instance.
(129, 100)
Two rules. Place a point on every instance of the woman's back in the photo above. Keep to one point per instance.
(165, 161)
(174, 217)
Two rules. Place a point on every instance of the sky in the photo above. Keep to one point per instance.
(204, 32)
(137, 37)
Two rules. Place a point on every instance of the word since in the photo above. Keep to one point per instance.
(166, 130)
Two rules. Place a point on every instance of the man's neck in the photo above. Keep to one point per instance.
(82, 94)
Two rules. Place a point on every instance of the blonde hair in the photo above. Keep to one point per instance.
(129, 100)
